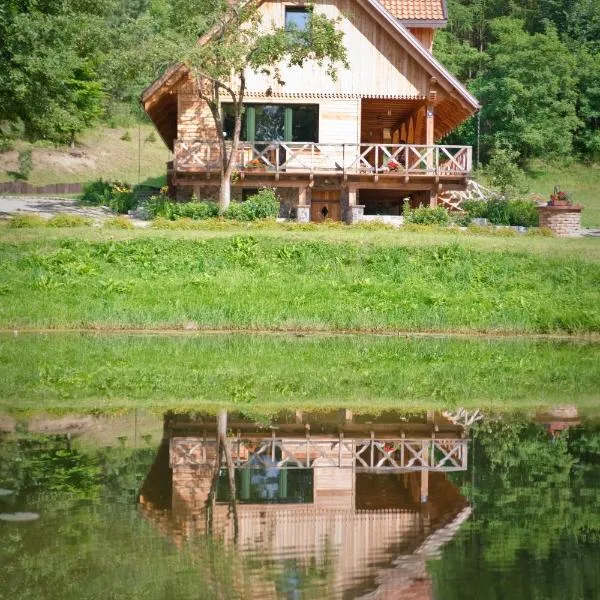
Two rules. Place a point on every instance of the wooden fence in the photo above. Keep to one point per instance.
(22, 187)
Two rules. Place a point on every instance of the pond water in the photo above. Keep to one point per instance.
(329, 505)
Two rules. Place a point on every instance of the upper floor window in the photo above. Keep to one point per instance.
(297, 18)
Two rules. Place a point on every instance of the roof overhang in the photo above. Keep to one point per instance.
(435, 69)
(424, 23)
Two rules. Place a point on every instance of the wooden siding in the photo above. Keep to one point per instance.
(379, 66)
(424, 35)
(339, 121)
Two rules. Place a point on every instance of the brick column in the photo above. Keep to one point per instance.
(564, 221)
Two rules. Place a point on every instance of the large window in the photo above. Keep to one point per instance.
(296, 18)
(275, 122)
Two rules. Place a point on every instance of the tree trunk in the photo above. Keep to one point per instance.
(224, 193)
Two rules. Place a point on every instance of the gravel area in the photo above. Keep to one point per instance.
(48, 207)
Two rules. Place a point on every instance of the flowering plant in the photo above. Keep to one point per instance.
(393, 165)
(255, 163)
(560, 198)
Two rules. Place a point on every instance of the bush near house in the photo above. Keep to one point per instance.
(499, 211)
(425, 215)
(262, 205)
(118, 196)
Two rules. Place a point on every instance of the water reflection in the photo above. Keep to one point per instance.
(337, 505)
(344, 494)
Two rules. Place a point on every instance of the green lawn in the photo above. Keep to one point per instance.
(328, 279)
(581, 181)
(261, 374)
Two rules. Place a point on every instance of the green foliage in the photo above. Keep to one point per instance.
(163, 206)
(67, 220)
(46, 463)
(97, 193)
(25, 163)
(263, 205)
(118, 223)
(118, 196)
(21, 221)
(503, 172)
(424, 215)
(126, 137)
(500, 211)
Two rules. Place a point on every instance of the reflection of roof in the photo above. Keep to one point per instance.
(416, 10)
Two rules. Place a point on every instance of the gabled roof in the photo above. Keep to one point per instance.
(429, 62)
(417, 10)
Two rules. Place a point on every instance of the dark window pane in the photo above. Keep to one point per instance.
(229, 122)
(270, 122)
(296, 19)
(305, 123)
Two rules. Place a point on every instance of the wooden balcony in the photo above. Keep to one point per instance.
(344, 160)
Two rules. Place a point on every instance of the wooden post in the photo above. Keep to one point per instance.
(351, 196)
(425, 475)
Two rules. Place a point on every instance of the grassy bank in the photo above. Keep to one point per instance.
(298, 280)
(116, 154)
(579, 180)
(269, 373)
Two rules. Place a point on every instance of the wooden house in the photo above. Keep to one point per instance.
(337, 149)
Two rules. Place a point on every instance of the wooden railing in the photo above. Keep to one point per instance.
(315, 158)
(371, 454)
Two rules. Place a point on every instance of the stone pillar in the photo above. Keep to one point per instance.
(433, 201)
(355, 213)
(303, 214)
(564, 221)
(303, 210)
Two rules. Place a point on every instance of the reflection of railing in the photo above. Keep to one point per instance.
(386, 455)
(344, 159)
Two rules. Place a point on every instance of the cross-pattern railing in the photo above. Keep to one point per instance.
(315, 158)
(370, 454)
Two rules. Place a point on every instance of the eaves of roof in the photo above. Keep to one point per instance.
(436, 69)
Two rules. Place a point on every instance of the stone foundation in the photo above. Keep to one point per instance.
(564, 221)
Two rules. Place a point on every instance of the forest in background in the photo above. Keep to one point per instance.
(66, 65)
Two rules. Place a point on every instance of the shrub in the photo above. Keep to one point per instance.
(500, 211)
(504, 173)
(6, 144)
(96, 193)
(163, 206)
(118, 223)
(25, 163)
(122, 199)
(195, 210)
(425, 215)
(66, 220)
(22, 221)
(118, 196)
(238, 211)
(262, 205)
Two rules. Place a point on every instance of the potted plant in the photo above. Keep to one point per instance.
(559, 198)
(254, 165)
(393, 165)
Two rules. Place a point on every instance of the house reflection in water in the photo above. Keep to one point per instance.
(367, 495)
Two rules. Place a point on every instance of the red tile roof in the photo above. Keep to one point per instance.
(416, 10)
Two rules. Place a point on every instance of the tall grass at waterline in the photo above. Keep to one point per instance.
(370, 281)
(87, 372)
